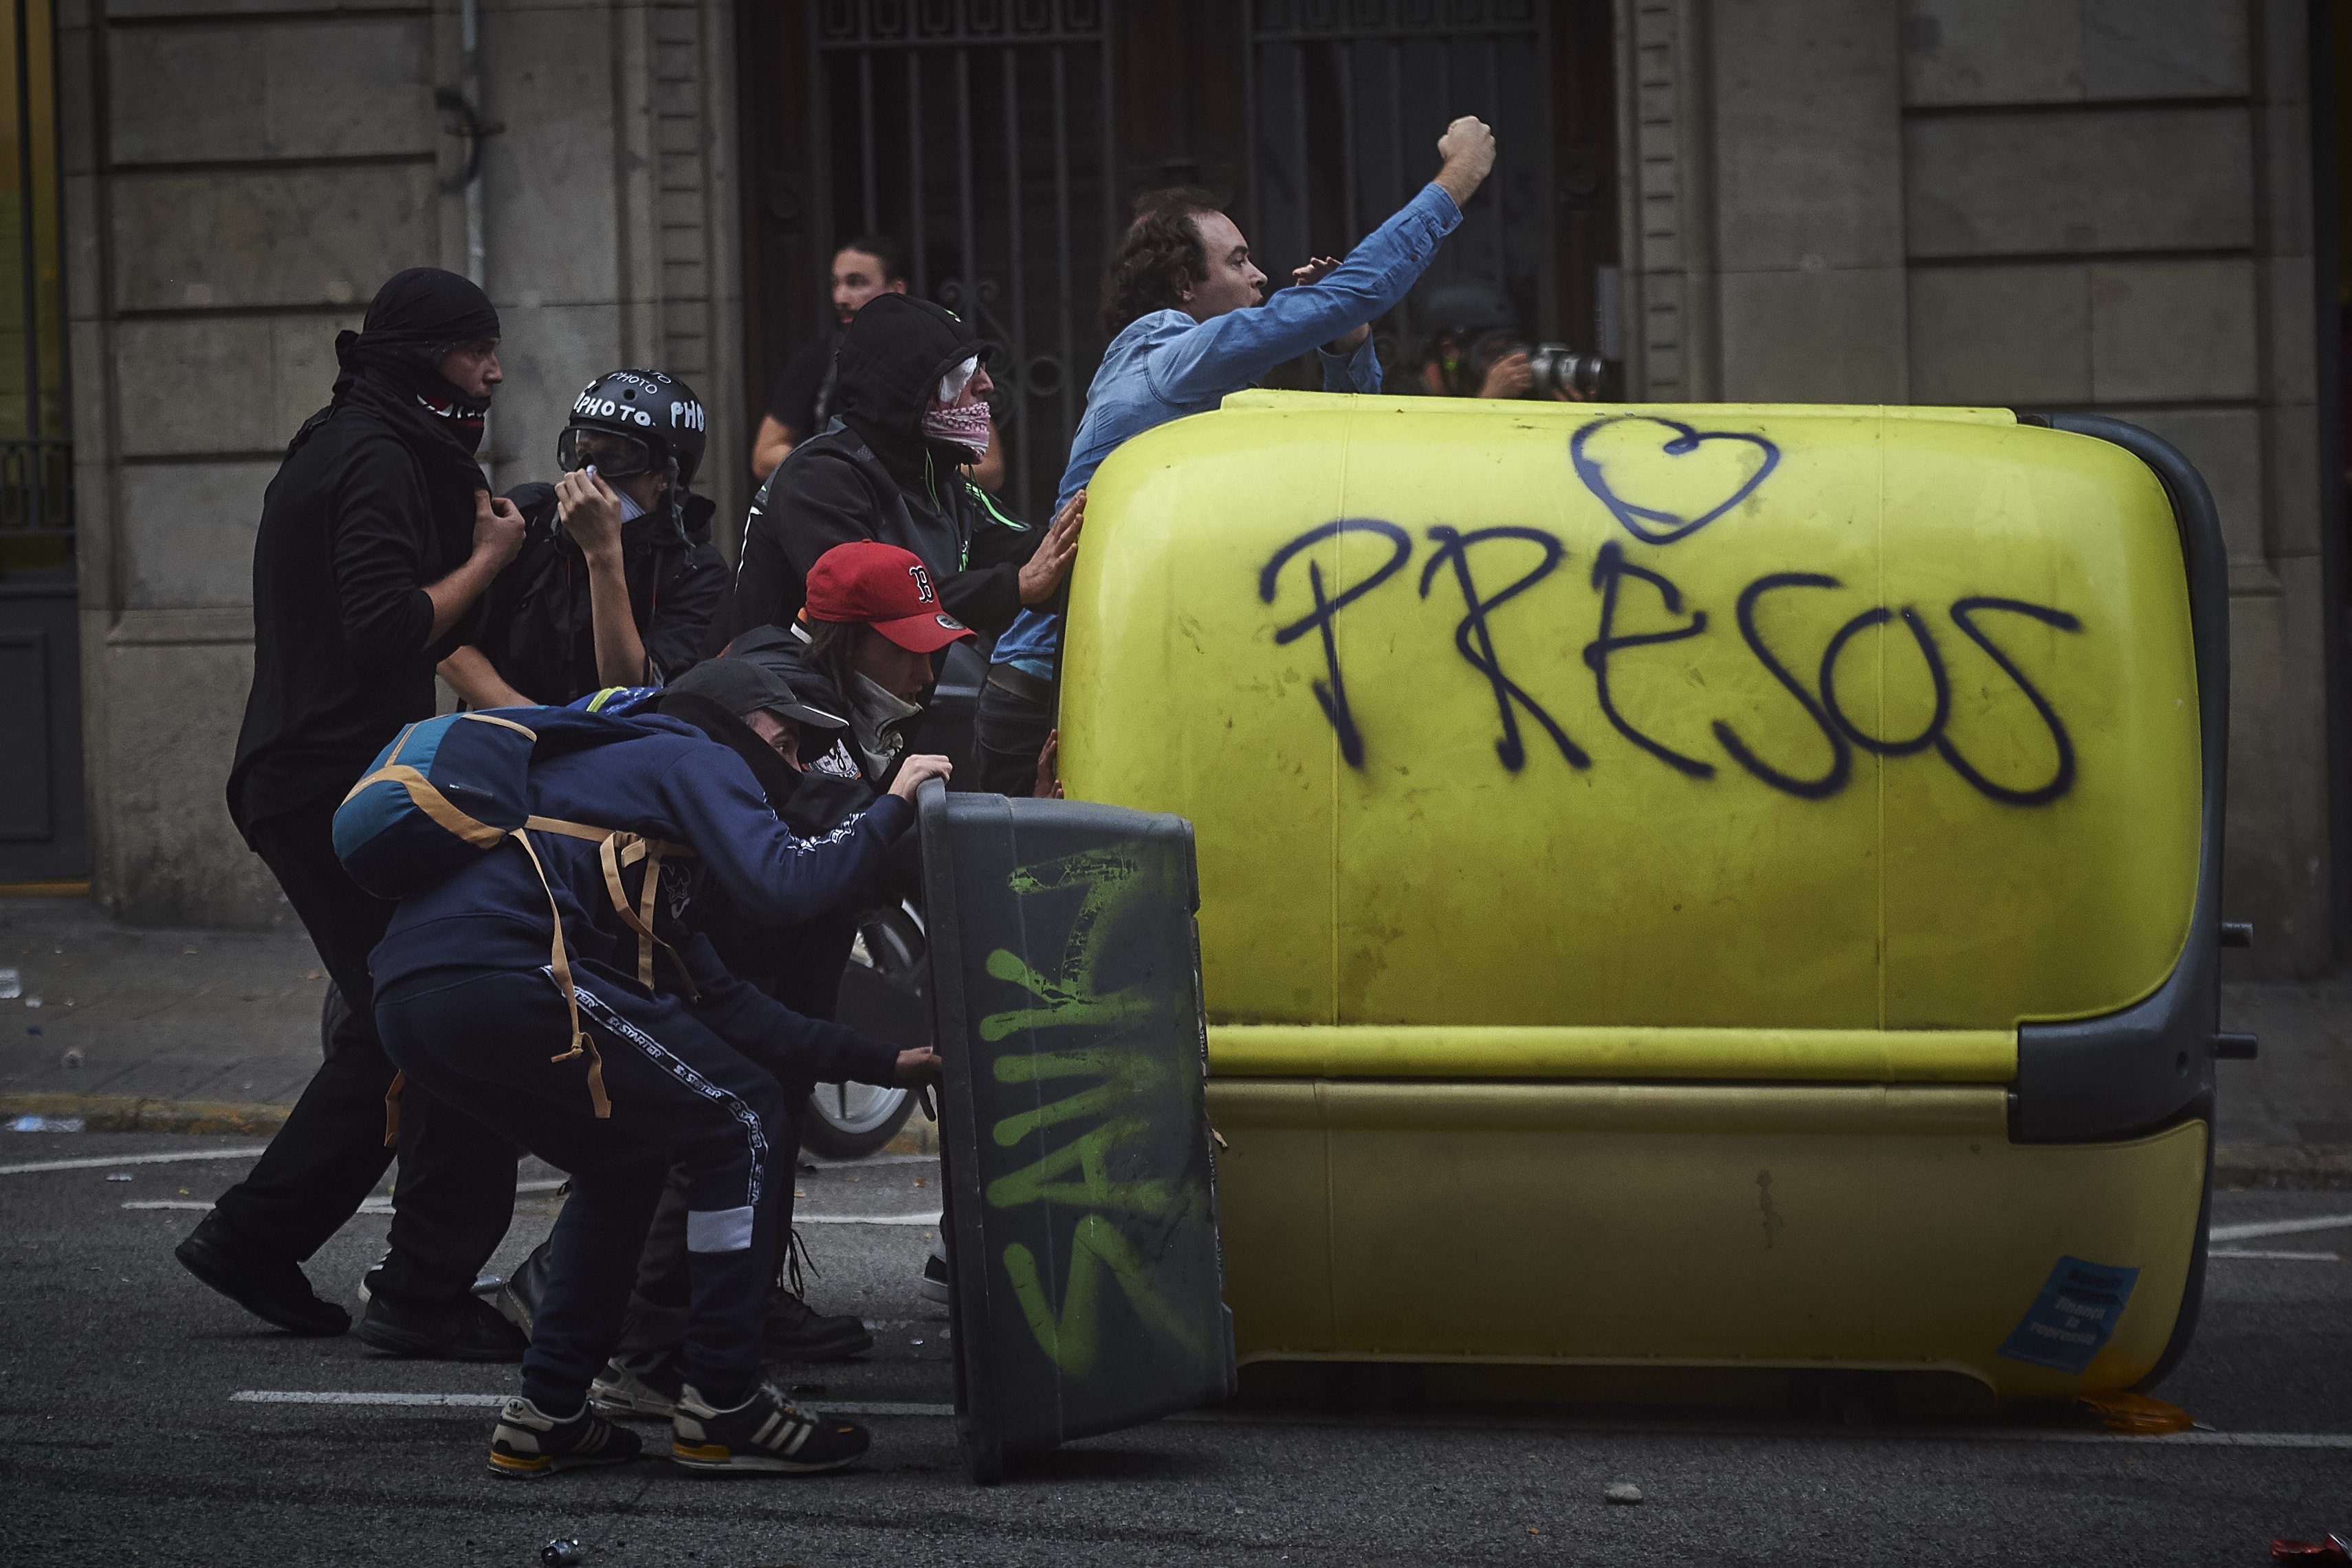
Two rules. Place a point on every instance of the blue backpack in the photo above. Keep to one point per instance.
(448, 790)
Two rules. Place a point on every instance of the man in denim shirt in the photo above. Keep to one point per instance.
(1181, 340)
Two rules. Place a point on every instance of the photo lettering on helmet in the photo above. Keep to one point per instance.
(686, 416)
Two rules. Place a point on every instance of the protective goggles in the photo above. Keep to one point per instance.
(615, 456)
(951, 384)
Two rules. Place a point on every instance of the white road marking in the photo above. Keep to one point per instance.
(430, 1401)
(288, 1397)
(367, 1205)
(871, 1160)
(2279, 1227)
(932, 1219)
(2281, 1256)
(119, 1160)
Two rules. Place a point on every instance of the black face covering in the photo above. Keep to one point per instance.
(393, 368)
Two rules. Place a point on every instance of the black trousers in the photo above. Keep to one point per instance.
(1008, 731)
(456, 1193)
(656, 1320)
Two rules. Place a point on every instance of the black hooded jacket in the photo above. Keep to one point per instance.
(374, 500)
(874, 476)
(538, 627)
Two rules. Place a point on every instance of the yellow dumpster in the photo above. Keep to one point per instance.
(1690, 886)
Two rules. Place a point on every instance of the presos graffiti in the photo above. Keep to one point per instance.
(1631, 592)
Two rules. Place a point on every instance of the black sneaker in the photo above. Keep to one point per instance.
(643, 1387)
(796, 1332)
(765, 1433)
(276, 1292)
(473, 1330)
(529, 1442)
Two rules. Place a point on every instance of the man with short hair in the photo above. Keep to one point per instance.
(1182, 339)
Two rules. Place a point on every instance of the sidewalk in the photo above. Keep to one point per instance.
(219, 1031)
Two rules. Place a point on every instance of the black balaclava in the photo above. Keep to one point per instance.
(893, 353)
(393, 366)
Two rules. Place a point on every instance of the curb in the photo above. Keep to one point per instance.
(129, 1113)
(2325, 1168)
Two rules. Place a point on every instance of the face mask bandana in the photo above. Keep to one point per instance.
(878, 722)
(966, 427)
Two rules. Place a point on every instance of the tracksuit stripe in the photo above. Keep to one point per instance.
(621, 1029)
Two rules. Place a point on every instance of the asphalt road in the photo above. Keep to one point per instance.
(121, 1439)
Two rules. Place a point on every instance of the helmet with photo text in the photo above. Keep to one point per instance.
(656, 418)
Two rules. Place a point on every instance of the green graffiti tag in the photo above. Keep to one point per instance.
(1069, 1341)
(1078, 1175)
(1125, 1075)
(1094, 1189)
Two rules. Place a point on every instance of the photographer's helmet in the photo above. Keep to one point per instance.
(1466, 309)
(635, 422)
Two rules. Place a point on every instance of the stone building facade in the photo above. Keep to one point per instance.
(239, 177)
(2051, 203)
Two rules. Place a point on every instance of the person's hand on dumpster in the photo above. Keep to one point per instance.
(1049, 772)
(918, 1069)
(1510, 376)
(1468, 150)
(1042, 577)
(914, 770)
(590, 511)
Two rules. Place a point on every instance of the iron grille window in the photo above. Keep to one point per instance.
(1348, 99)
(978, 133)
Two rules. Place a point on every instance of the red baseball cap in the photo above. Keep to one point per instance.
(874, 584)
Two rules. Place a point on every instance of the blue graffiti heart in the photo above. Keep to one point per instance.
(1649, 524)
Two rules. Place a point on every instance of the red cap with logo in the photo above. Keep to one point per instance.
(884, 587)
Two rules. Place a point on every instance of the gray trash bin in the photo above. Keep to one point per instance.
(1088, 1286)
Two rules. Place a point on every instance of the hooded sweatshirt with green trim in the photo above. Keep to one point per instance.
(873, 475)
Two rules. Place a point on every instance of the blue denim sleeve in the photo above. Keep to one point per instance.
(1228, 352)
(1354, 372)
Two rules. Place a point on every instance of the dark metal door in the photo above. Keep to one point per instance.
(978, 134)
(1347, 99)
(43, 836)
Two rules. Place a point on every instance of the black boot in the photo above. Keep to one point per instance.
(797, 1333)
(471, 1330)
(273, 1289)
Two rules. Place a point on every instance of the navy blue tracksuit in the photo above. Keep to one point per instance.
(468, 1006)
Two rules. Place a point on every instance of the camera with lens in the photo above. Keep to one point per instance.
(1559, 370)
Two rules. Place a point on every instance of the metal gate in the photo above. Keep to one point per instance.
(979, 133)
(1347, 99)
(43, 834)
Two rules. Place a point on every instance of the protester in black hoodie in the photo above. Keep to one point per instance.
(377, 536)
(911, 390)
(617, 581)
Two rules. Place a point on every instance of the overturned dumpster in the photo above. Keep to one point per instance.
(1086, 1282)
